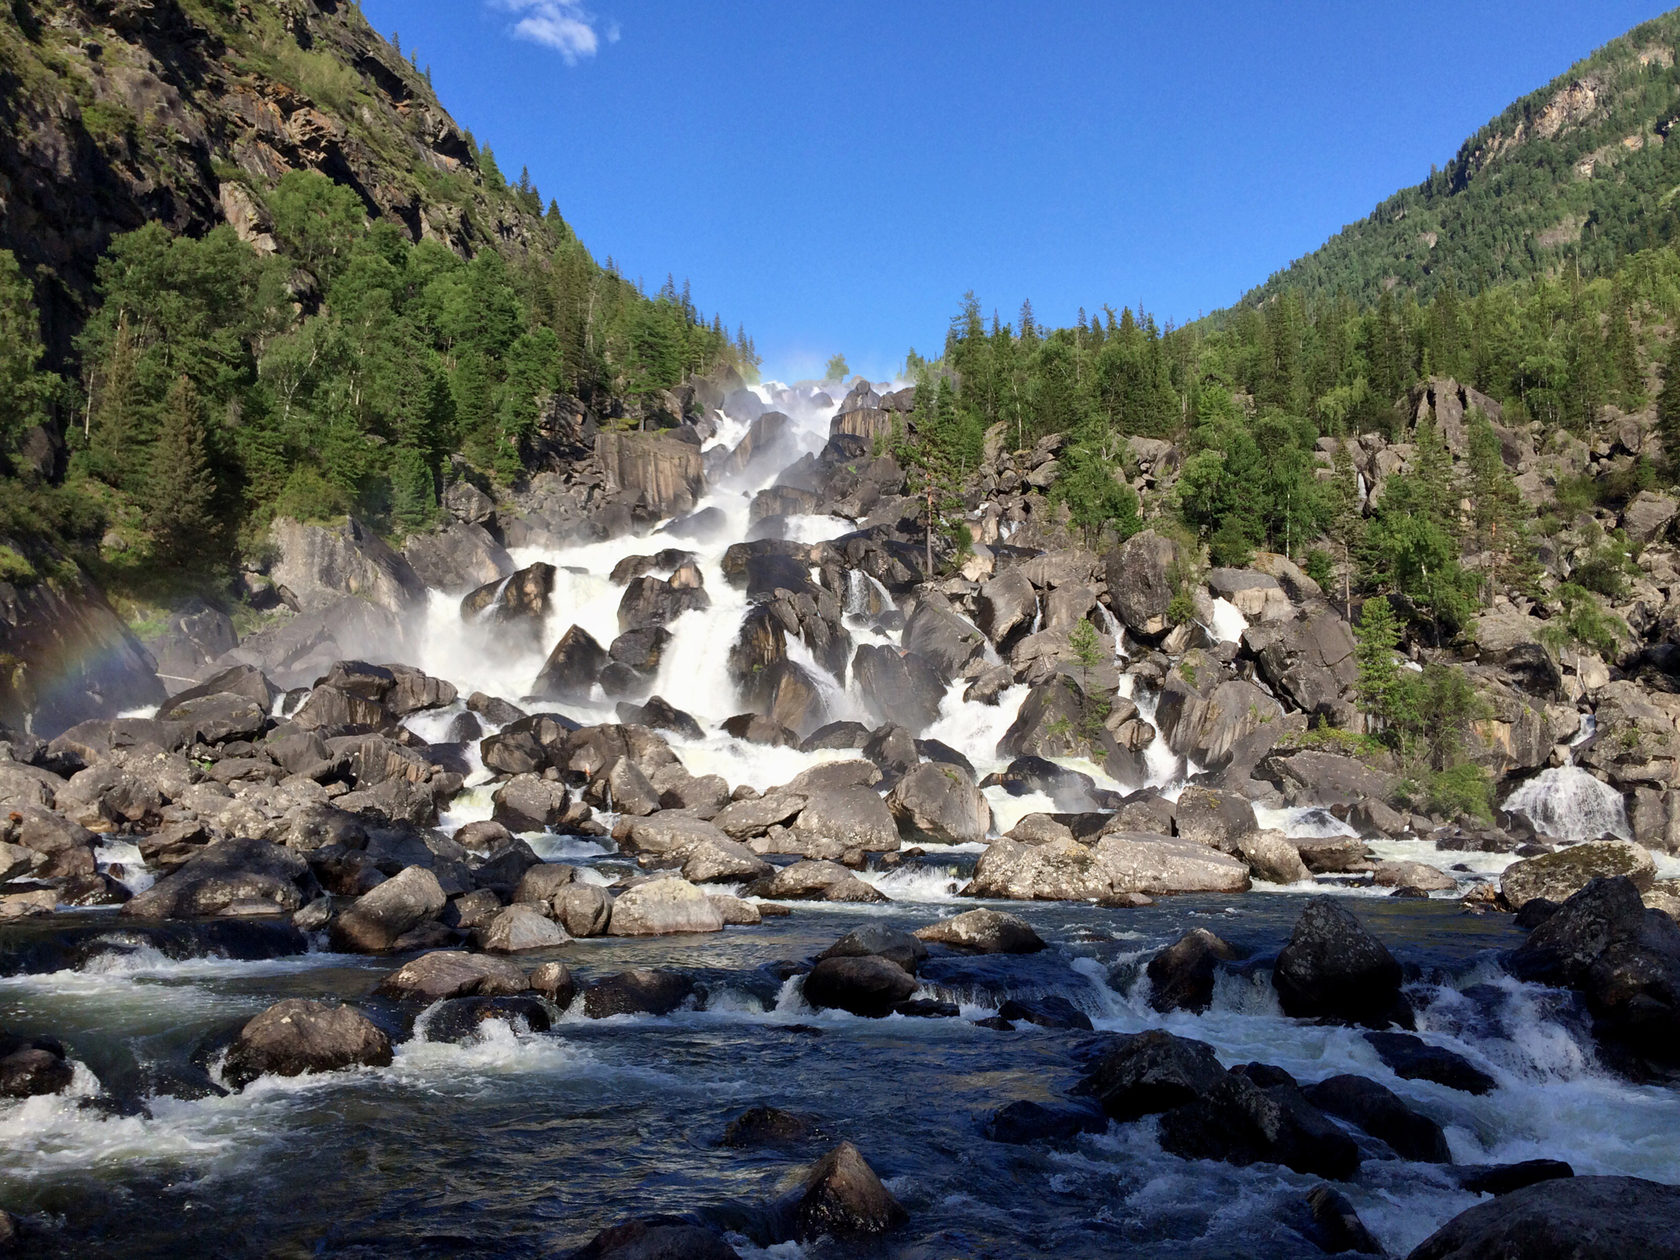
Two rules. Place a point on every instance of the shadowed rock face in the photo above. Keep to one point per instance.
(662, 474)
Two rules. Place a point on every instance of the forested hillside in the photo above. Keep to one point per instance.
(1578, 173)
(253, 267)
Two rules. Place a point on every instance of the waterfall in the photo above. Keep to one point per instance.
(1566, 803)
(1228, 622)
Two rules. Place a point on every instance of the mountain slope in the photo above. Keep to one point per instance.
(1581, 169)
(185, 112)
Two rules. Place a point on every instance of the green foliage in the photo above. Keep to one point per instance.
(180, 514)
(1088, 654)
(414, 503)
(1582, 621)
(837, 369)
(1511, 204)
(1463, 789)
(24, 391)
(1318, 566)
(1375, 639)
(15, 567)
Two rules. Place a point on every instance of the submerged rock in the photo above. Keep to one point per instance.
(657, 1238)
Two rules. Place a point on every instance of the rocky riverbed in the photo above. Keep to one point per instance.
(668, 844)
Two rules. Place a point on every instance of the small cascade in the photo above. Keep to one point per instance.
(865, 597)
(1228, 622)
(1110, 625)
(1589, 728)
(1566, 803)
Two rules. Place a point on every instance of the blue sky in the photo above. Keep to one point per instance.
(836, 175)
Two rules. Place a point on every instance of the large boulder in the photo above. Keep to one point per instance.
(520, 603)
(842, 1197)
(1117, 864)
(1309, 661)
(1243, 1121)
(1559, 876)
(1140, 1074)
(451, 973)
(377, 919)
(572, 668)
(316, 565)
(812, 880)
(519, 928)
(662, 475)
(1008, 604)
(984, 932)
(840, 822)
(1581, 1218)
(1334, 968)
(1384, 1115)
(1181, 976)
(1510, 642)
(1625, 961)
(239, 876)
(457, 557)
(938, 634)
(1141, 575)
(662, 907)
(1216, 724)
(296, 1037)
(898, 687)
(70, 657)
(940, 803)
(651, 603)
(867, 985)
(637, 992)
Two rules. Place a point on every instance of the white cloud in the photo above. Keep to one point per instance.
(563, 25)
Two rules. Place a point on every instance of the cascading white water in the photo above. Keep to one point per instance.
(1228, 622)
(1567, 803)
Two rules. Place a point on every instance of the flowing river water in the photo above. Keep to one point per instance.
(527, 1143)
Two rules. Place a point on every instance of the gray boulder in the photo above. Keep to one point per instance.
(298, 1037)
(1334, 968)
(662, 907)
(940, 803)
(377, 919)
(450, 973)
(984, 932)
(317, 565)
(1141, 575)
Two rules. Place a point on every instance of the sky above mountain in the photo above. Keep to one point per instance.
(835, 176)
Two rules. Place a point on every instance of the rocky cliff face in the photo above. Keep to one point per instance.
(186, 112)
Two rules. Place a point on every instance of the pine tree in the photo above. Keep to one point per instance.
(1347, 521)
(1375, 639)
(180, 512)
(413, 493)
(1494, 499)
(22, 390)
(1668, 407)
